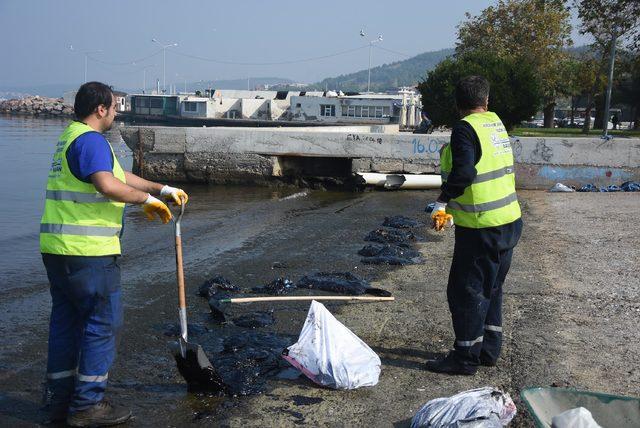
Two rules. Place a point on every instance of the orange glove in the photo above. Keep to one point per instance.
(156, 206)
(439, 217)
(174, 194)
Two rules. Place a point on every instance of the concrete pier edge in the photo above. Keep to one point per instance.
(226, 155)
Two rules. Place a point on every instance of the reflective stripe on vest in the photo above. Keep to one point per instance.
(480, 178)
(487, 206)
(77, 219)
(491, 198)
(81, 197)
(72, 229)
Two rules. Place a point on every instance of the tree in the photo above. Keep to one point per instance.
(535, 31)
(515, 88)
(602, 18)
(610, 22)
(627, 85)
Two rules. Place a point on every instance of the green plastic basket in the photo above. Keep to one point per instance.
(608, 410)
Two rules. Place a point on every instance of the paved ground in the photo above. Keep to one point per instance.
(572, 307)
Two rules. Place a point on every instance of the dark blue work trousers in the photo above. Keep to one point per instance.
(86, 317)
(481, 261)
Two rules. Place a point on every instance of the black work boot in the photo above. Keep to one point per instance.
(100, 415)
(56, 413)
(451, 365)
(487, 361)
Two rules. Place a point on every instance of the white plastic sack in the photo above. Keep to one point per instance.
(574, 418)
(559, 187)
(478, 408)
(330, 354)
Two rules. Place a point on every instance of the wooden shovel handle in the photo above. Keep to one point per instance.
(291, 298)
(182, 301)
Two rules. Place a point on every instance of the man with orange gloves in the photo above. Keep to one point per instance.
(479, 197)
(80, 230)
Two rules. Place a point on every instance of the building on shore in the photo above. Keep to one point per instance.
(313, 107)
(122, 100)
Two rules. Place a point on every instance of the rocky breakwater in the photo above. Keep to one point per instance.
(36, 106)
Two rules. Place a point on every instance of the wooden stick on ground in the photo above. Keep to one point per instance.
(290, 298)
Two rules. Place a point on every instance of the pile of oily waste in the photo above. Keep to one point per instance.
(392, 243)
(244, 360)
(627, 186)
(243, 356)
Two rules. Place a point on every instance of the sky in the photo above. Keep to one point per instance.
(233, 39)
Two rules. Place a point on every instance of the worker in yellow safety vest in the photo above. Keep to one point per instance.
(80, 230)
(478, 195)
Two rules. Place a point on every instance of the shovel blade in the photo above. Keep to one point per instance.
(195, 368)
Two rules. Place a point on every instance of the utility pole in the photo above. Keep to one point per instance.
(612, 61)
(164, 61)
(86, 59)
(371, 42)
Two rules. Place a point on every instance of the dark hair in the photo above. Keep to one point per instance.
(471, 92)
(90, 96)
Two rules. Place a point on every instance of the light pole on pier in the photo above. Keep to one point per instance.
(164, 62)
(86, 58)
(144, 77)
(371, 42)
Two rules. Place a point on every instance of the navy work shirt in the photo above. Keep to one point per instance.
(465, 153)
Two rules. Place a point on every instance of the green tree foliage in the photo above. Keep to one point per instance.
(515, 88)
(606, 21)
(535, 31)
(627, 85)
(601, 18)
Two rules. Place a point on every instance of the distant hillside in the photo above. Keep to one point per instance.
(408, 72)
(232, 83)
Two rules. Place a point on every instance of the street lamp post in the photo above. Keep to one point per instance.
(379, 39)
(144, 77)
(607, 102)
(86, 58)
(164, 58)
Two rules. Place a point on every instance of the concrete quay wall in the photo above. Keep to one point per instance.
(226, 155)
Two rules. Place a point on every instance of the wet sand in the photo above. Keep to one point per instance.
(571, 311)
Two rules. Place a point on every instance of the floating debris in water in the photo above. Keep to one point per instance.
(216, 284)
(400, 222)
(294, 196)
(389, 254)
(255, 319)
(389, 236)
(276, 287)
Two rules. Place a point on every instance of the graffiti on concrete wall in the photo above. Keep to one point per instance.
(542, 151)
(431, 147)
(516, 146)
(364, 137)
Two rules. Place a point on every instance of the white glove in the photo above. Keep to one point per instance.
(154, 206)
(440, 218)
(175, 194)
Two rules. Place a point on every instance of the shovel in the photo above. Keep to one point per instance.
(193, 364)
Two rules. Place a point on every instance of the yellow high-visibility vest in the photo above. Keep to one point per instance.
(77, 219)
(491, 199)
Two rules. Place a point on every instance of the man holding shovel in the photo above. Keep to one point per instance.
(80, 230)
(479, 197)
